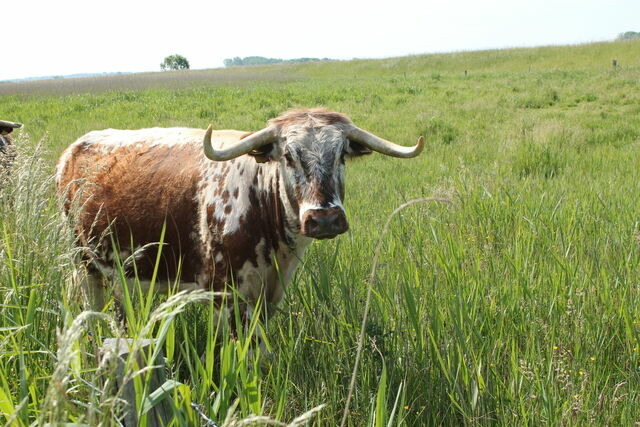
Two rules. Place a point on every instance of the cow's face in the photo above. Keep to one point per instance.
(310, 148)
(312, 163)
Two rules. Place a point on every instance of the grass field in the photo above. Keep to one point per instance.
(518, 304)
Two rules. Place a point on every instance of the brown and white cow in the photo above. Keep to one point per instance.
(242, 213)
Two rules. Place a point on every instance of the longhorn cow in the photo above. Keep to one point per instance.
(236, 207)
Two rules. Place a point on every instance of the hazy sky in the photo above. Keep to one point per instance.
(41, 37)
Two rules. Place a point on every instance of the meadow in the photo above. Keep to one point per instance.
(516, 304)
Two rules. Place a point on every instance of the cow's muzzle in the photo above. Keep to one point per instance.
(324, 223)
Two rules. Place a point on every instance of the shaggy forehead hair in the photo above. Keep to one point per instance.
(314, 117)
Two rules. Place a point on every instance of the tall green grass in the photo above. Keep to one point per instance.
(517, 304)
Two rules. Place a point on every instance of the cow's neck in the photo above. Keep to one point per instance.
(280, 246)
(254, 227)
(276, 202)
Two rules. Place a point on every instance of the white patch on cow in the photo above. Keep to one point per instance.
(109, 139)
(269, 278)
(235, 176)
(287, 264)
(62, 164)
(306, 206)
(253, 277)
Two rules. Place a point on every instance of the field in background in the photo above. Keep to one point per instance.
(517, 304)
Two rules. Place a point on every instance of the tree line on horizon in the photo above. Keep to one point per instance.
(261, 60)
(628, 35)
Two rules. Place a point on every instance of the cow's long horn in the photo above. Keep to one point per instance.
(253, 141)
(8, 127)
(14, 125)
(383, 146)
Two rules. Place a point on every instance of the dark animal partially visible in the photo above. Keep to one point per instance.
(7, 149)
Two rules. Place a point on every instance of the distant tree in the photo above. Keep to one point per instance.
(629, 35)
(174, 62)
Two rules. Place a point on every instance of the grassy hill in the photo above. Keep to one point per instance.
(517, 304)
(595, 56)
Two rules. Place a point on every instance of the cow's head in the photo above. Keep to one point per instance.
(311, 147)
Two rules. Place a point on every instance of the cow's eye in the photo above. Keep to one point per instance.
(289, 159)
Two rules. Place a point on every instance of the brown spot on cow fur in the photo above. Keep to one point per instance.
(111, 193)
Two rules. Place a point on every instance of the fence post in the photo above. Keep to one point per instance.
(119, 349)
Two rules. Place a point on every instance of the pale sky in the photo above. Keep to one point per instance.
(42, 37)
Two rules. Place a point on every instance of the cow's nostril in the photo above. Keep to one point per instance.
(311, 224)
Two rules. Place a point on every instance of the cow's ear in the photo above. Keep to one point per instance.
(262, 154)
(356, 150)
